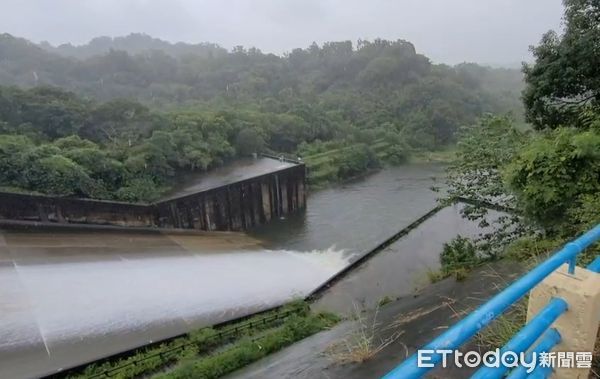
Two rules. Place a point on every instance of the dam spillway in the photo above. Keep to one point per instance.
(72, 296)
(61, 280)
(233, 198)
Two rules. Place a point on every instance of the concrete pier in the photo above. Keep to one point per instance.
(238, 205)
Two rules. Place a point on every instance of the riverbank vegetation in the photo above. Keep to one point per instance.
(213, 352)
(119, 118)
(248, 350)
(550, 174)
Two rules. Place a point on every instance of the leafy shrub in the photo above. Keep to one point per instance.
(554, 172)
(139, 189)
(458, 257)
(531, 246)
(356, 160)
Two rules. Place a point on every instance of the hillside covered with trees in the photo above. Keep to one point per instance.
(118, 117)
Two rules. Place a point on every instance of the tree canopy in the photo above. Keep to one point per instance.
(564, 82)
(120, 117)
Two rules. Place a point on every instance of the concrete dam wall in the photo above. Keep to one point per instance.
(235, 205)
(239, 205)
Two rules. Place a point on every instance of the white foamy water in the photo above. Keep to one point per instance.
(79, 299)
(92, 305)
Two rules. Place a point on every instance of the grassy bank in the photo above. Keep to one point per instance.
(249, 349)
(208, 344)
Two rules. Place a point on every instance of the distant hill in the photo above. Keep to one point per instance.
(387, 78)
(119, 117)
(135, 43)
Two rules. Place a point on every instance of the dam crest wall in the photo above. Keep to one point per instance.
(234, 206)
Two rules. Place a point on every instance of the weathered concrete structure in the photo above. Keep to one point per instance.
(233, 206)
(579, 326)
(62, 210)
(239, 205)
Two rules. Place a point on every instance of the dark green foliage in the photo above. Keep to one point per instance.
(550, 177)
(355, 160)
(315, 91)
(566, 75)
(57, 174)
(149, 360)
(531, 246)
(458, 257)
(372, 104)
(49, 111)
(249, 141)
(138, 190)
(483, 150)
(554, 175)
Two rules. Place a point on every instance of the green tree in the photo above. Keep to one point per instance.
(58, 175)
(458, 257)
(483, 151)
(566, 75)
(139, 189)
(12, 158)
(555, 174)
(249, 141)
(356, 160)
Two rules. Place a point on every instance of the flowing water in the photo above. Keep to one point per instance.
(67, 298)
(358, 215)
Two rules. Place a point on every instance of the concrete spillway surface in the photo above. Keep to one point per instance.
(239, 170)
(68, 298)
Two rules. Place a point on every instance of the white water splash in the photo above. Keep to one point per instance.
(75, 301)
(331, 260)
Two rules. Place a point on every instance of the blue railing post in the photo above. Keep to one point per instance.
(595, 265)
(466, 328)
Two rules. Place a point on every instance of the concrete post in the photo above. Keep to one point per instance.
(579, 325)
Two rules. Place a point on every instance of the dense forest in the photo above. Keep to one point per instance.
(118, 118)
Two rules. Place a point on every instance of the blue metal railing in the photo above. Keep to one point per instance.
(466, 328)
(526, 336)
(547, 343)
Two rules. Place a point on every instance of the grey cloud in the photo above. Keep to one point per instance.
(491, 31)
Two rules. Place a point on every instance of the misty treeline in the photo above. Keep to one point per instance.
(118, 118)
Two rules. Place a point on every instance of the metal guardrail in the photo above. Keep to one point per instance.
(283, 157)
(462, 331)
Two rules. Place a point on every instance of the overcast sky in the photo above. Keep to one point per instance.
(449, 31)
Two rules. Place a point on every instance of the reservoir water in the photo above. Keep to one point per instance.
(69, 297)
(357, 215)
